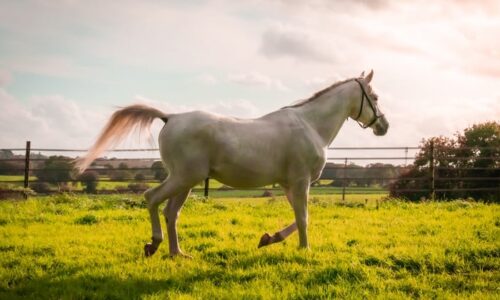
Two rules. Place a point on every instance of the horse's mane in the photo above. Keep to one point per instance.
(317, 94)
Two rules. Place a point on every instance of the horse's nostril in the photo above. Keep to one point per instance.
(380, 130)
(383, 130)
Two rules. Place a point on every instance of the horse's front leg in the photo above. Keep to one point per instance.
(281, 235)
(300, 194)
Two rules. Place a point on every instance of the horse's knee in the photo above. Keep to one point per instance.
(148, 197)
(153, 199)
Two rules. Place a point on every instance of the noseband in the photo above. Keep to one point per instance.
(364, 95)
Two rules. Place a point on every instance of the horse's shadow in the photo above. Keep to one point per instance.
(98, 287)
(94, 287)
(67, 284)
(63, 285)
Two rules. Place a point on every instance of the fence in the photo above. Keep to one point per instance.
(445, 172)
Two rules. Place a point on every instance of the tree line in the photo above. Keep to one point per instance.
(466, 165)
(376, 174)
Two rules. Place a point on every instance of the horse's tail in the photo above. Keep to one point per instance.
(118, 127)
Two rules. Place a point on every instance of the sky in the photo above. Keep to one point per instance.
(65, 65)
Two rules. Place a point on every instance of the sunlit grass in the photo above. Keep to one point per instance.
(74, 247)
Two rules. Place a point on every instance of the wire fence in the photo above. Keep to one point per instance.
(399, 171)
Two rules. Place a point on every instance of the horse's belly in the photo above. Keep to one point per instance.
(241, 175)
(243, 180)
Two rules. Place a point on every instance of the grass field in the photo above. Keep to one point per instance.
(91, 247)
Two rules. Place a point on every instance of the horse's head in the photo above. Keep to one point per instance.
(366, 111)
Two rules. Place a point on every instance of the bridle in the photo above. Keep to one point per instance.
(375, 111)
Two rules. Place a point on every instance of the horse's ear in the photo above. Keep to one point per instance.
(369, 77)
(362, 74)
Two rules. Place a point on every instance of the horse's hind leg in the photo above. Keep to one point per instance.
(281, 235)
(171, 212)
(154, 197)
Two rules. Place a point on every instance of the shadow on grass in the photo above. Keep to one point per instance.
(88, 287)
(108, 287)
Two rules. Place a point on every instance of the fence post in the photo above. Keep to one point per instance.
(27, 168)
(406, 156)
(432, 171)
(343, 180)
(207, 180)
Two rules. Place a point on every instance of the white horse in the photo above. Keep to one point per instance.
(287, 146)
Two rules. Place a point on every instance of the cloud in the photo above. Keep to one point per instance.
(48, 121)
(321, 82)
(62, 38)
(57, 66)
(478, 52)
(208, 79)
(329, 5)
(240, 108)
(373, 4)
(5, 78)
(280, 41)
(257, 79)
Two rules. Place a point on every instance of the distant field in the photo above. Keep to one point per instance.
(216, 189)
(90, 247)
(15, 178)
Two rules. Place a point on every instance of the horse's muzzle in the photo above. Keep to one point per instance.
(381, 126)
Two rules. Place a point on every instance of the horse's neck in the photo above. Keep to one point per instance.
(327, 113)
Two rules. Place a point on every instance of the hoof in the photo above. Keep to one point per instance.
(264, 240)
(149, 249)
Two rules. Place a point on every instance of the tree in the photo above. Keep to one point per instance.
(121, 173)
(40, 187)
(11, 167)
(378, 173)
(355, 175)
(371, 174)
(340, 174)
(90, 180)
(138, 187)
(415, 182)
(5, 154)
(159, 170)
(56, 170)
(139, 177)
(481, 142)
(470, 160)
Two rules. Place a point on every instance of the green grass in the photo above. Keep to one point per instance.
(15, 178)
(91, 247)
(11, 178)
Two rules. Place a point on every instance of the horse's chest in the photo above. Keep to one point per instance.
(317, 163)
(307, 158)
